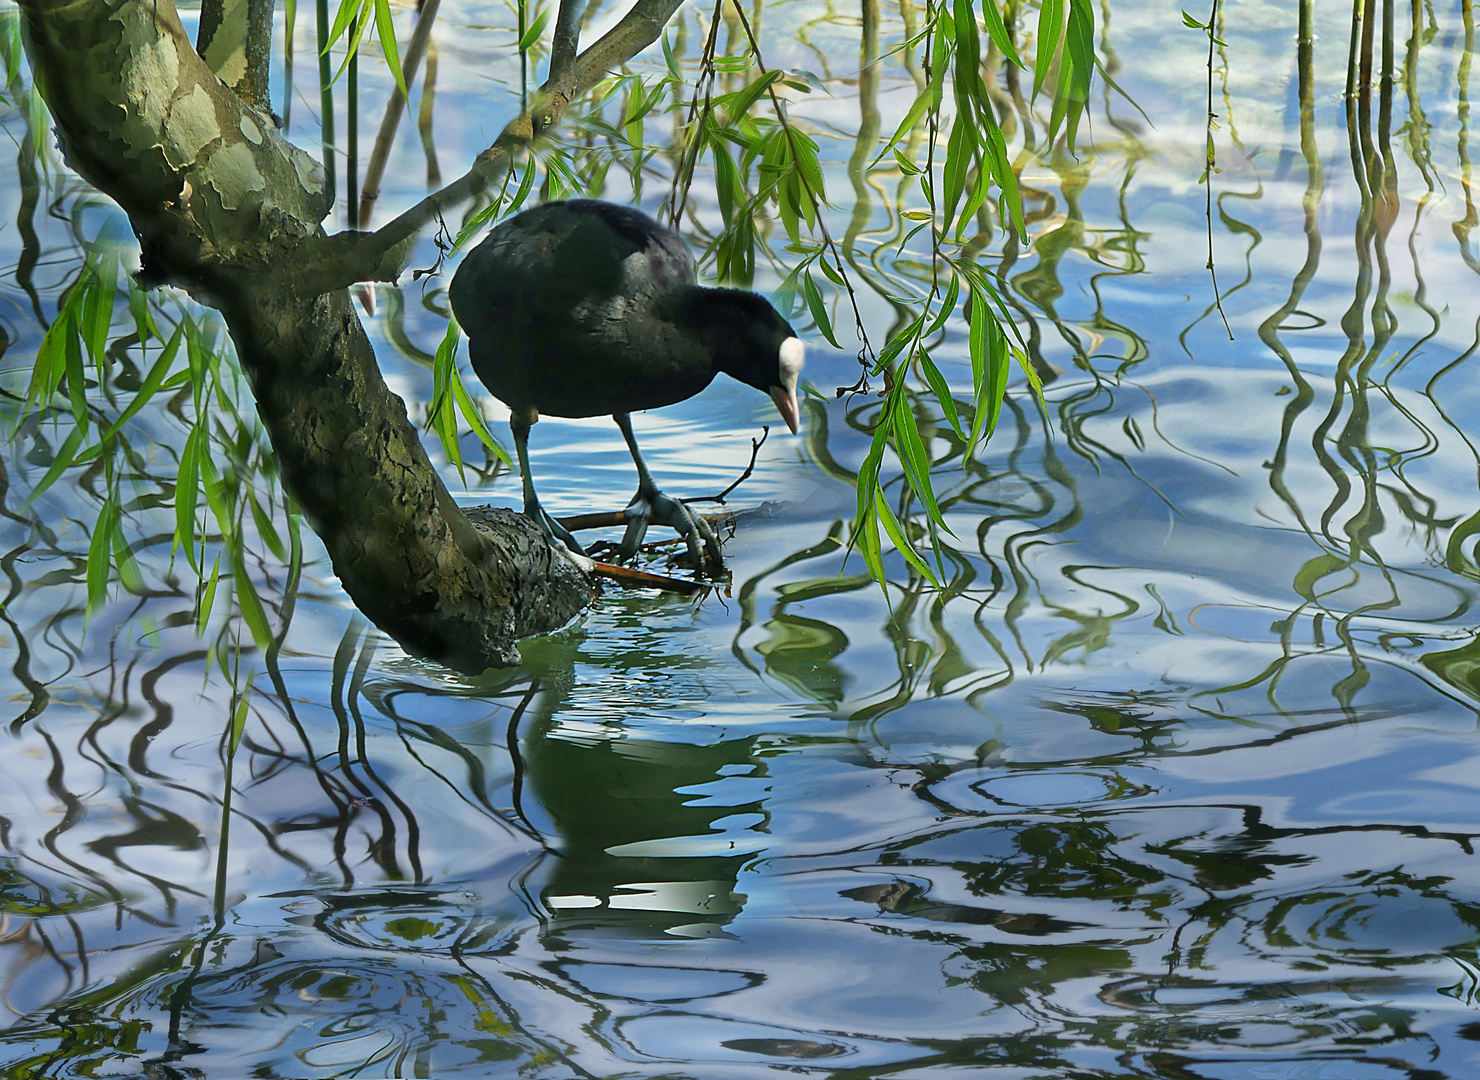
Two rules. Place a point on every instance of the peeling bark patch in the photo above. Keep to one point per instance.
(251, 131)
(310, 172)
(234, 171)
(190, 125)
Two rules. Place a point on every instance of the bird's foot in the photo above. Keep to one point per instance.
(648, 507)
(556, 532)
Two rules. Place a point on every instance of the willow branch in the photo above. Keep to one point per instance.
(339, 261)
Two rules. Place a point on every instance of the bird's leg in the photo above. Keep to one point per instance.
(519, 423)
(650, 504)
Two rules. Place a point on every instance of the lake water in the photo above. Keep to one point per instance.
(1176, 777)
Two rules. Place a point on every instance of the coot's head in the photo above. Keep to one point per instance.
(754, 344)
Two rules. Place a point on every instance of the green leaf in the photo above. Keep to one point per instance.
(942, 392)
(208, 599)
(818, 309)
(805, 151)
(123, 559)
(947, 308)
(977, 337)
(896, 535)
(968, 46)
(941, 51)
(215, 492)
(76, 380)
(1079, 54)
(738, 103)
(447, 355)
(152, 382)
(97, 308)
(138, 302)
(348, 10)
(469, 409)
(960, 152)
(996, 29)
(1031, 372)
(979, 188)
(64, 459)
(535, 30)
(187, 490)
(442, 416)
(1050, 29)
(99, 565)
(913, 456)
(386, 30)
(51, 360)
(784, 296)
(251, 605)
(729, 188)
(266, 529)
(911, 118)
(790, 211)
(833, 274)
(239, 718)
(995, 159)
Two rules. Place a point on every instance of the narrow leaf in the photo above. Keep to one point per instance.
(65, 457)
(208, 599)
(251, 606)
(818, 309)
(942, 392)
(99, 565)
(896, 535)
(386, 30)
(152, 382)
(1050, 28)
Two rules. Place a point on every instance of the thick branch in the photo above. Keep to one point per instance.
(142, 117)
(215, 196)
(404, 552)
(235, 40)
(567, 40)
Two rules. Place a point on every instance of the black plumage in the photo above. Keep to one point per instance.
(585, 308)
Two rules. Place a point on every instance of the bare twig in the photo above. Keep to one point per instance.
(1211, 162)
(755, 448)
(375, 169)
(683, 174)
(631, 577)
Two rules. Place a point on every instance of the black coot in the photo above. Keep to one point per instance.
(584, 308)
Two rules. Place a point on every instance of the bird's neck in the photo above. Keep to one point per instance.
(718, 320)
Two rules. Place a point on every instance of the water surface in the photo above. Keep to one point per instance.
(1174, 777)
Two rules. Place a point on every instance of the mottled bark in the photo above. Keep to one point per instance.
(235, 40)
(216, 197)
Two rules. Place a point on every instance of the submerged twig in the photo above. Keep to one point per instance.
(755, 448)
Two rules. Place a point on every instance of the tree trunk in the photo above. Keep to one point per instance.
(227, 209)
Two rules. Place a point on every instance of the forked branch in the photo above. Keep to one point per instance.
(337, 262)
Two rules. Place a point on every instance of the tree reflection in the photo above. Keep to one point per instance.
(1169, 777)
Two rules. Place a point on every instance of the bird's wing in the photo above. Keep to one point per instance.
(651, 256)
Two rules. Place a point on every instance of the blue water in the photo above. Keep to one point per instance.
(1175, 777)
